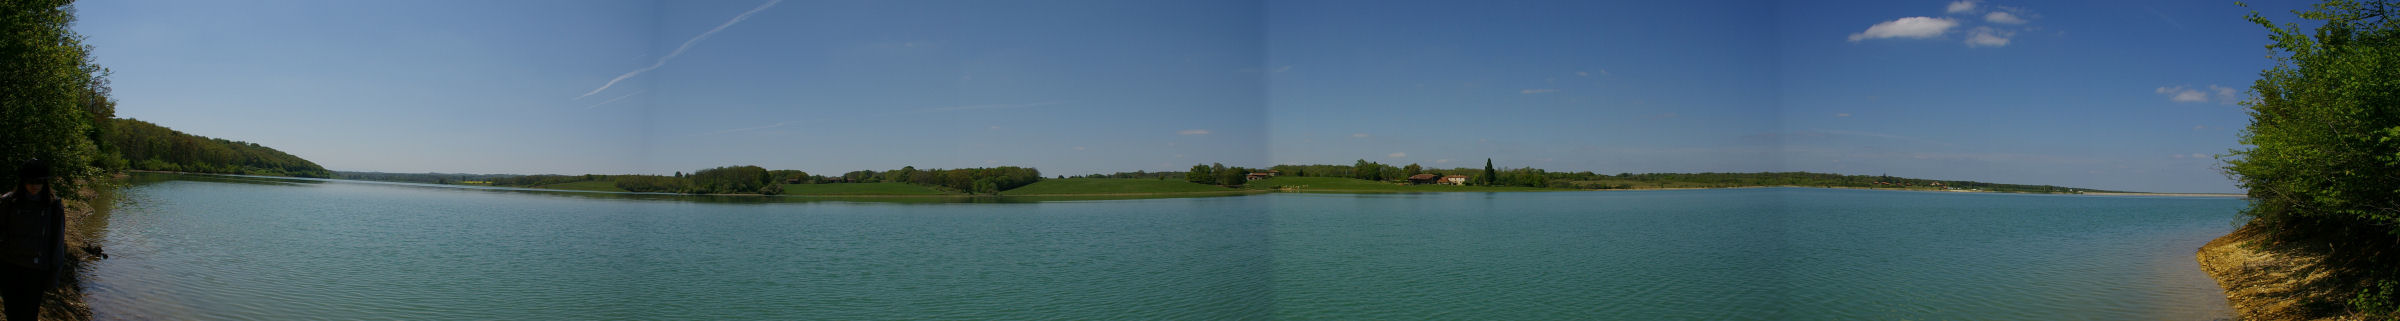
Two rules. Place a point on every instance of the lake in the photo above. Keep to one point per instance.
(208, 247)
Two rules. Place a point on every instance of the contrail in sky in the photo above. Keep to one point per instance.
(611, 100)
(687, 45)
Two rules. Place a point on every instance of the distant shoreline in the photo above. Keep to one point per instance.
(1233, 192)
(2230, 195)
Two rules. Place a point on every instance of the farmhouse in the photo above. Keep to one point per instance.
(1262, 175)
(1454, 180)
(1422, 179)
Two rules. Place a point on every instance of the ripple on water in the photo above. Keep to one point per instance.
(389, 253)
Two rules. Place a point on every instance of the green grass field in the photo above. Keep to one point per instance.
(885, 188)
(1112, 186)
(596, 186)
(1341, 184)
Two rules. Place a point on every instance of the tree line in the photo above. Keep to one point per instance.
(1487, 176)
(757, 180)
(978, 180)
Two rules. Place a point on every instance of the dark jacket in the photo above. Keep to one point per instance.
(33, 231)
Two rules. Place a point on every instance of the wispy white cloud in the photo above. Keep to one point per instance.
(1537, 91)
(1988, 37)
(2003, 17)
(1284, 68)
(1193, 132)
(687, 45)
(2183, 94)
(1963, 6)
(1397, 155)
(1910, 27)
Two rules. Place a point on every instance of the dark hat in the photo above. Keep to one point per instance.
(35, 169)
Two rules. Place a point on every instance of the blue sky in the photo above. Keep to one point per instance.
(2131, 95)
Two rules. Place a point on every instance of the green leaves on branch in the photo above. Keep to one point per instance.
(2325, 131)
(50, 92)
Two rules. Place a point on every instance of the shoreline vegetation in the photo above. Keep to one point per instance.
(1201, 181)
(1108, 189)
(2323, 237)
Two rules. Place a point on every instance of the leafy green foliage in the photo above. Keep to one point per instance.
(978, 180)
(149, 146)
(731, 180)
(1489, 175)
(2324, 137)
(2377, 299)
(1201, 173)
(2325, 128)
(50, 92)
(652, 183)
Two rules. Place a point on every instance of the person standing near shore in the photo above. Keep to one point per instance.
(32, 241)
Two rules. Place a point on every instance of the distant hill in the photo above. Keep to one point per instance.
(145, 146)
(428, 178)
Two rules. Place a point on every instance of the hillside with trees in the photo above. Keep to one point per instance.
(136, 144)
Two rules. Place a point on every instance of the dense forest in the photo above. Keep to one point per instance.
(135, 144)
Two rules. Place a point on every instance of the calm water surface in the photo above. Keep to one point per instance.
(189, 247)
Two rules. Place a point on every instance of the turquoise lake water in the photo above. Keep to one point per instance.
(191, 247)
